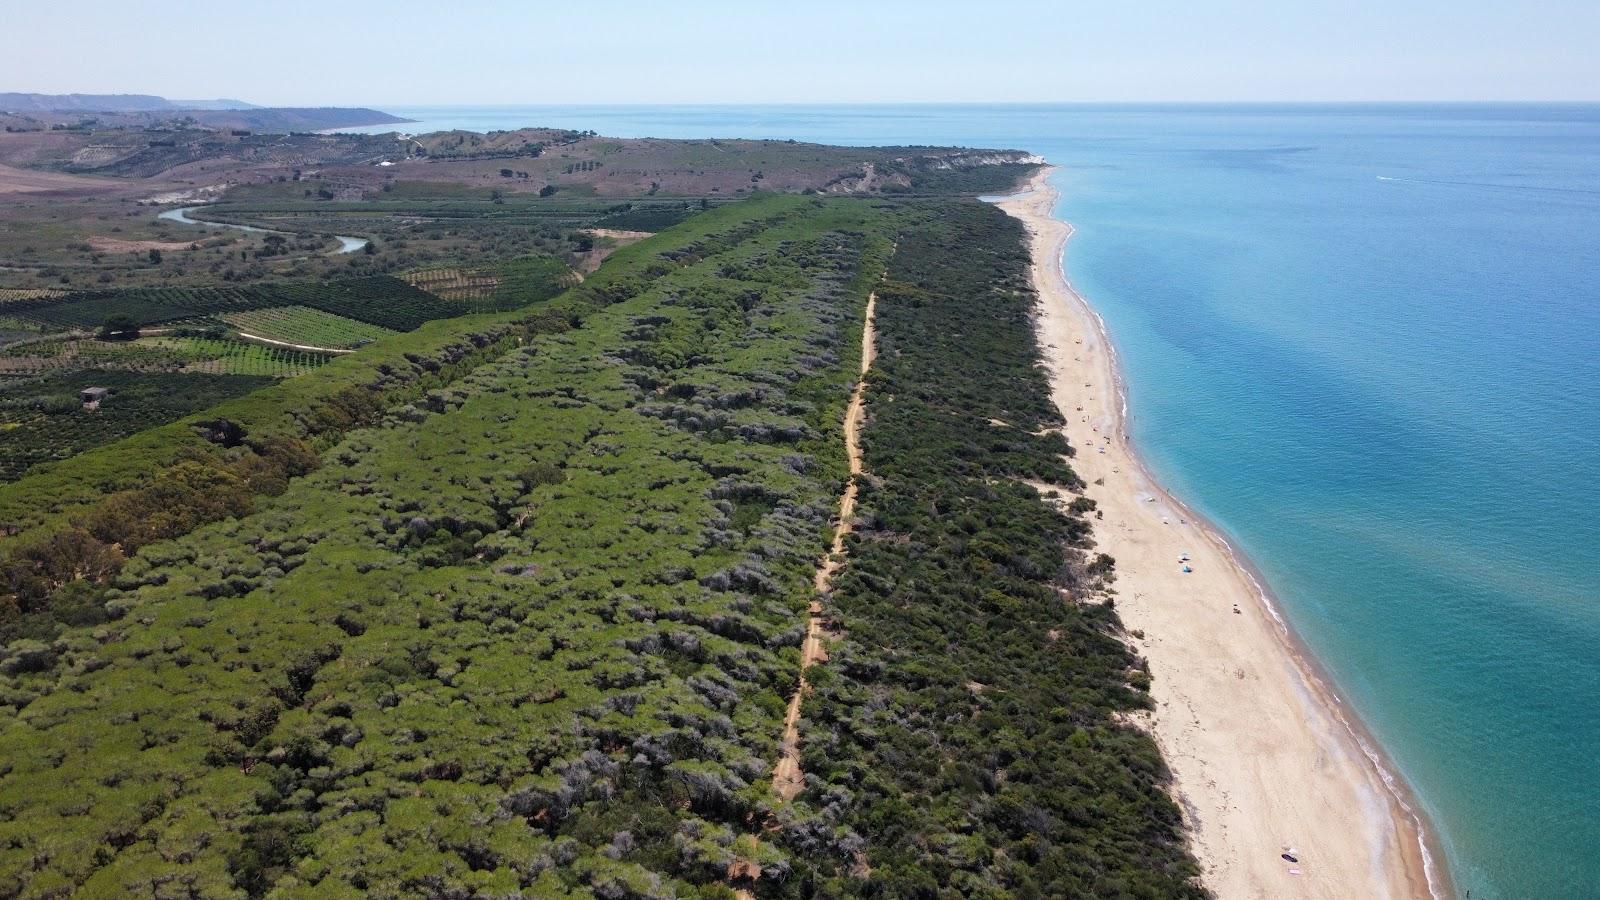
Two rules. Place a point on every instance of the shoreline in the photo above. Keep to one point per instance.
(1279, 765)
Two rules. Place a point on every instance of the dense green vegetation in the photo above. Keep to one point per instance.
(510, 605)
(650, 216)
(505, 285)
(256, 442)
(599, 543)
(43, 419)
(963, 737)
(521, 280)
(991, 179)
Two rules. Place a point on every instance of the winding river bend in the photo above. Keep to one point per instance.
(347, 244)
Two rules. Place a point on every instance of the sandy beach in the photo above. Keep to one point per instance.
(1264, 760)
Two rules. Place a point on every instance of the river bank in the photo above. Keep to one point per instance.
(1283, 794)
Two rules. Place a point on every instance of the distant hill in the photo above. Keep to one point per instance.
(144, 110)
(14, 102)
(292, 118)
(221, 103)
(20, 102)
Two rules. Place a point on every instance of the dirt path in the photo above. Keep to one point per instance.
(276, 343)
(591, 260)
(787, 778)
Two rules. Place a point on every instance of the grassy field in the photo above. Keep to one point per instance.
(306, 326)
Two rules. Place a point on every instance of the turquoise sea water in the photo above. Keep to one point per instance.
(1365, 341)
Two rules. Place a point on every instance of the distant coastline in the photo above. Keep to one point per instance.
(1234, 809)
(23, 112)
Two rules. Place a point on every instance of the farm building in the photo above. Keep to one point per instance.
(91, 396)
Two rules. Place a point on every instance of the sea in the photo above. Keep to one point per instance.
(1364, 340)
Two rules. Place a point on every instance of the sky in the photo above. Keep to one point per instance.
(425, 52)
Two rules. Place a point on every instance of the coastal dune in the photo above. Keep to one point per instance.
(1280, 793)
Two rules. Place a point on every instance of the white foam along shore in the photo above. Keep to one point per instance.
(1283, 791)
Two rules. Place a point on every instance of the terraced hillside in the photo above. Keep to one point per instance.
(526, 625)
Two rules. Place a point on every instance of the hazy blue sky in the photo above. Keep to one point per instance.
(498, 51)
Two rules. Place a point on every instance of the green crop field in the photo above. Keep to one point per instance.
(304, 325)
(222, 356)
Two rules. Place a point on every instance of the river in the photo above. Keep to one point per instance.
(347, 244)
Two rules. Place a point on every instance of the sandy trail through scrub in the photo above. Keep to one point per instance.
(787, 778)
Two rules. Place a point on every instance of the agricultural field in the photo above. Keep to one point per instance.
(185, 329)
(9, 294)
(223, 356)
(507, 285)
(305, 326)
(529, 160)
(448, 199)
(453, 282)
(524, 280)
(378, 300)
(648, 217)
(39, 356)
(189, 333)
(177, 353)
(42, 420)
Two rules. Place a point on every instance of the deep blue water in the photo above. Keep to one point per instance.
(1364, 340)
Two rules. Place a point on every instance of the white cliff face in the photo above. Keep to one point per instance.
(974, 160)
(871, 179)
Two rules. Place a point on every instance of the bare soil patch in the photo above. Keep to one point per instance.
(28, 181)
(119, 245)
